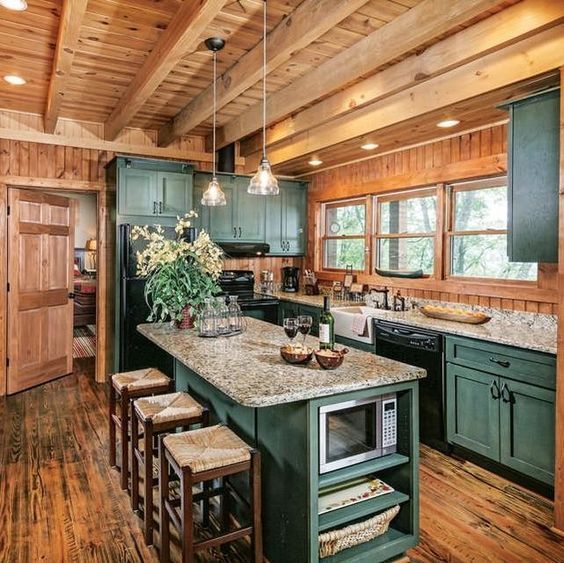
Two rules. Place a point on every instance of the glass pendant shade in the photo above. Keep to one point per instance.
(263, 182)
(213, 196)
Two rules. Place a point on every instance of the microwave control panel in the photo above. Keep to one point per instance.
(389, 422)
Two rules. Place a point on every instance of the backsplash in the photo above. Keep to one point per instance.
(272, 263)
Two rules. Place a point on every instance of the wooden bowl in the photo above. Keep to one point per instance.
(330, 359)
(298, 356)
(456, 315)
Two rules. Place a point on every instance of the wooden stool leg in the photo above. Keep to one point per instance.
(224, 513)
(163, 512)
(186, 511)
(112, 426)
(255, 485)
(148, 456)
(124, 439)
(207, 485)
(134, 461)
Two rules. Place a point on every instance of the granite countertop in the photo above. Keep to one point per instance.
(531, 331)
(248, 367)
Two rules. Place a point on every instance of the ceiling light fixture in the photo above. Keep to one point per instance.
(264, 182)
(14, 80)
(445, 123)
(315, 162)
(369, 146)
(16, 5)
(214, 196)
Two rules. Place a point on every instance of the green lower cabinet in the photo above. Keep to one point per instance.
(527, 418)
(289, 309)
(473, 410)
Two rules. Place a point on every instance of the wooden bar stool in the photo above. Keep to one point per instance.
(200, 456)
(124, 388)
(157, 415)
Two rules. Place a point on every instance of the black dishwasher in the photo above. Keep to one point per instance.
(424, 349)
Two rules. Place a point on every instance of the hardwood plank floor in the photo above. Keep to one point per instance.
(60, 501)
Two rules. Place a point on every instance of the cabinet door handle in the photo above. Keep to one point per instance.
(234, 232)
(502, 363)
(160, 207)
(240, 232)
(494, 390)
(154, 207)
(506, 394)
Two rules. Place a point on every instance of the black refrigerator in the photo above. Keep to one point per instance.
(135, 351)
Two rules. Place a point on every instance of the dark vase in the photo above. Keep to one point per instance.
(187, 320)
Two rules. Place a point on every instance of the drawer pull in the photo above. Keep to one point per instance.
(502, 363)
(505, 393)
(494, 390)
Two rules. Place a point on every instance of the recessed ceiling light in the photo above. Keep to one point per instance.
(315, 162)
(445, 123)
(369, 146)
(17, 5)
(14, 79)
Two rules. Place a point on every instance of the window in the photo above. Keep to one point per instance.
(344, 236)
(478, 233)
(406, 227)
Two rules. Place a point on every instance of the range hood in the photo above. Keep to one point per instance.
(244, 249)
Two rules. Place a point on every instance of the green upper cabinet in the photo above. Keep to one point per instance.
(137, 192)
(150, 188)
(286, 217)
(250, 213)
(200, 184)
(533, 175)
(223, 218)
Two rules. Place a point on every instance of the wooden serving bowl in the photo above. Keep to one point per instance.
(296, 355)
(330, 359)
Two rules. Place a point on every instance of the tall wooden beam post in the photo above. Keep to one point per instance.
(411, 30)
(67, 42)
(180, 38)
(310, 20)
(559, 457)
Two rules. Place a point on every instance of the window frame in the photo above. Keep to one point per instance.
(473, 185)
(324, 237)
(403, 195)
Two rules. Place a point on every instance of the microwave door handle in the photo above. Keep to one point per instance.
(322, 441)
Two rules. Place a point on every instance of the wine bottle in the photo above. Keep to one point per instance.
(326, 327)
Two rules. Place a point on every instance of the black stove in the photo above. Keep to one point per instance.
(242, 283)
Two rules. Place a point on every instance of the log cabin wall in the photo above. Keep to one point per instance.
(467, 156)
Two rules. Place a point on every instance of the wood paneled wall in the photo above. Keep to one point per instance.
(275, 264)
(472, 155)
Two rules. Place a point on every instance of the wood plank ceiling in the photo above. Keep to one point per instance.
(116, 38)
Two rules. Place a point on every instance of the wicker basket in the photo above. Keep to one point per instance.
(332, 542)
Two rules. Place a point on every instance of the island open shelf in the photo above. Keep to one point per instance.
(285, 428)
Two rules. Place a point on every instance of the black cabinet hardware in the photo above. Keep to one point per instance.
(494, 390)
(502, 363)
(234, 232)
(154, 207)
(160, 207)
(505, 393)
(240, 232)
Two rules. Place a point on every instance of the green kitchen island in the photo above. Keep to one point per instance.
(275, 407)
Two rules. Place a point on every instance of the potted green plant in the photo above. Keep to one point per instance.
(179, 274)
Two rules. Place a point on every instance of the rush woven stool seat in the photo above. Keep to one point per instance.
(124, 387)
(157, 415)
(200, 456)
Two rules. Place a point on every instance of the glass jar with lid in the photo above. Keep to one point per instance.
(208, 319)
(222, 316)
(236, 321)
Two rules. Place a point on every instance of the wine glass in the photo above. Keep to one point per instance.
(291, 328)
(304, 326)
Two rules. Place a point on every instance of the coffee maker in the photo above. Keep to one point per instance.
(290, 279)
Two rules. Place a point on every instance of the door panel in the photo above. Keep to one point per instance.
(295, 209)
(40, 247)
(472, 412)
(137, 192)
(527, 429)
(274, 232)
(223, 219)
(250, 214)
(174, 194)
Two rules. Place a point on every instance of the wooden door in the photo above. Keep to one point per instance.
(40, 277)
(174, 194)
(473, 410)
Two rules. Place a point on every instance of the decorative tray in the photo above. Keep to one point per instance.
(351, 492)
(456, 315)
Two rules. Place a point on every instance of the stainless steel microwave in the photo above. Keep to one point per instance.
(356, 431)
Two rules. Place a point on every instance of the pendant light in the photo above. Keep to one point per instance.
(214, 196)
(263, 182)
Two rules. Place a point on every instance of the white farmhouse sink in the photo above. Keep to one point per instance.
(344, 321)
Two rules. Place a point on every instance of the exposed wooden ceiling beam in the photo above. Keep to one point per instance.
(524, 60)
(310, 20)
(411, 30)
(69, 30)
(179, 39)
(495, 32)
